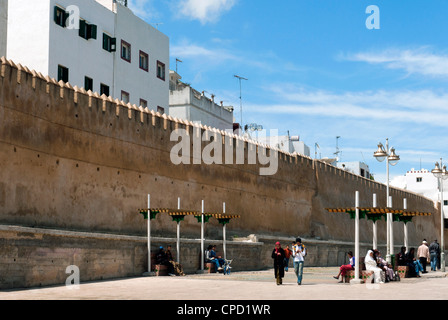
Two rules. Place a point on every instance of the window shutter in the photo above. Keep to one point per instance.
(66, 15)
(82, 29)
(56, 13)
(113, 44)
(92, 31)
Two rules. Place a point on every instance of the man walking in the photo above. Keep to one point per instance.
(423, 255)
(434, 250)
(299, 253)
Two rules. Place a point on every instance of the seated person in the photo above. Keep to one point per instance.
(401, 257)
(383, 264)
(162, 259)
(176, 267)
(347, 267)
(213, 258)
(414, 264)
(371, 265)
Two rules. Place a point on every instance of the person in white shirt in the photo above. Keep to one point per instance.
(299, 253)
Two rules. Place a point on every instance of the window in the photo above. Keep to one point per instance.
(144, 61)
(109, 43)
(125, 51)
(160, 110)
(124, 96)
(143, 103)
(445, 202)
(104, 90)
(419, 179)
(62, 73)
(88, 84)
(87, 31)
(161, 70)
(60, 16)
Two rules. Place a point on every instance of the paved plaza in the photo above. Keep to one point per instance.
(318, 284)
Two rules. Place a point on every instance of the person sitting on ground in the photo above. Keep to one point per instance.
(387, 267)
(176, 267)
(371, 265)
(347, 267)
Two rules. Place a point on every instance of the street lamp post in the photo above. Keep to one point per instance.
(241, 100)
(391, 159)
(441, 174)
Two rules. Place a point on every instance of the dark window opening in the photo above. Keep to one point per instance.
(62, 73)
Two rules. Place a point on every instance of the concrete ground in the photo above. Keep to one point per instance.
(318, 284)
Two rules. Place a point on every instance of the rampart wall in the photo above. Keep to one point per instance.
(76, 161)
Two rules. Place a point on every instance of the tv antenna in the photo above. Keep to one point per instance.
(338, 152)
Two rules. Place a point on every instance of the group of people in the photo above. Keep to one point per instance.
(281, 260)
(425, 254)
(373, 261)
(165, 257)
(384, 271)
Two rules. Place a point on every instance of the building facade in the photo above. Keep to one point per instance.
(425, 183)
(190, 104)
(289, 144)
(99, 45)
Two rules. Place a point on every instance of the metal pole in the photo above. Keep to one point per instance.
(224, 232)
(388, 258)
(149, 234)
(442, 238)
(391, 230)
(406, 239)
(178, 234)
(356, 280)
(202, 237)
(375, 230)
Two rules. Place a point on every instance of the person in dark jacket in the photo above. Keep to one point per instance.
(278, 254)
(401, 257)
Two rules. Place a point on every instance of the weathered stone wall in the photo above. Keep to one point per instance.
(72, 160)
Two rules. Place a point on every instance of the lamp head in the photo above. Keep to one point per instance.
(380, 154)
(393, 158)
(437, 172)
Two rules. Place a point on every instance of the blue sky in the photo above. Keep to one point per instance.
(316, 70)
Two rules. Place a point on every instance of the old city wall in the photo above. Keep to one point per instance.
(72, 160)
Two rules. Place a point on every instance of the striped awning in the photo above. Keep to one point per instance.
(377, 213)
(179, 214)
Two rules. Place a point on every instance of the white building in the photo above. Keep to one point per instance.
(190, 104)
(99, 45)
(423, 182)
(286, 143)
(356, 167)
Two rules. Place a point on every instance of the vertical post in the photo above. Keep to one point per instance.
(224, 232)
(356, 280)
(442, 236)
(149, 233)
(406, 239)
(178, 234)
(202, 237)
(388, 258)
(391, 230)
(375, 230)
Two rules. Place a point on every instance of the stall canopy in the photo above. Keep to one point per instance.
(375, 214)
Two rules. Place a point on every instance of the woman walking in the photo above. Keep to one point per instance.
(278, 254)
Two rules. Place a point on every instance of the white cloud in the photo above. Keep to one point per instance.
(142, 8)
(416, 107)
(205, 10)
(413, 61)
